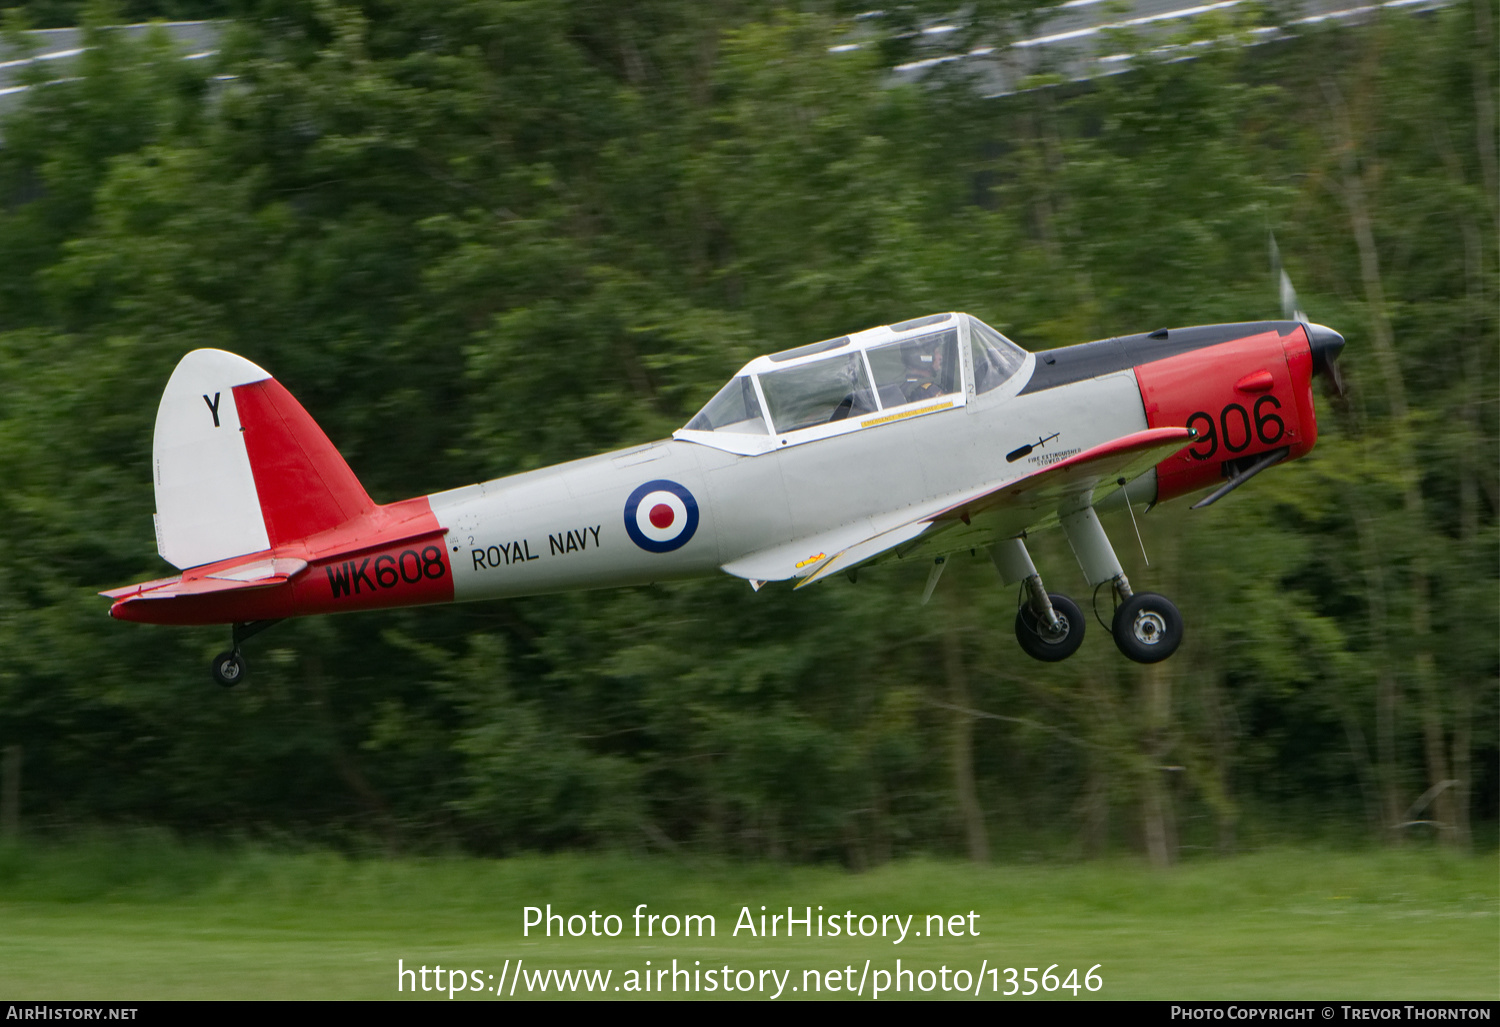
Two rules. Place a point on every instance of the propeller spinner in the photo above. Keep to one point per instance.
(1326, 344)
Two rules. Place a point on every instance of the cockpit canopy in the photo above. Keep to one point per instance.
(873, 377)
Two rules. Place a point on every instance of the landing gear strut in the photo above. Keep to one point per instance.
(1147, 627)
(229, 668)
(1049, 626)
(1051, 643)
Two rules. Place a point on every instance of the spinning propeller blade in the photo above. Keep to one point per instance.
(1326, 343)
(1289, 309)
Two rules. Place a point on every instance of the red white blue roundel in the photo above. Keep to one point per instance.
(661, 516)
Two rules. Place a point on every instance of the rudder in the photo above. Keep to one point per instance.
(240, 466)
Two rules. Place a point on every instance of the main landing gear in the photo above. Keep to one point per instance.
(1049, 626)
(228, 668)
(1147, 627)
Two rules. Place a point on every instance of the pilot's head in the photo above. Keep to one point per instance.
(924, 361)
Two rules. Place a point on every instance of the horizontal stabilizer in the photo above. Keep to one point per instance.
(139, 587)
(282, 567)
(260, 574)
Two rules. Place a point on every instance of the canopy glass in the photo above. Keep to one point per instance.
(910, 364)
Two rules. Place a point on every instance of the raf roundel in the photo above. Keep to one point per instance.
(661, 516)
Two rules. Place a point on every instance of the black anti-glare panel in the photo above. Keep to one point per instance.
(1056, 367)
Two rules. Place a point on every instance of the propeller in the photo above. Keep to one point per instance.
(1326, 344)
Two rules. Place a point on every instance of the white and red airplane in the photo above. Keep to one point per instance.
(934, 435)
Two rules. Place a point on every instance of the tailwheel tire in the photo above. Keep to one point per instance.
(229, 668)
(1147, 627)
(1047, 646)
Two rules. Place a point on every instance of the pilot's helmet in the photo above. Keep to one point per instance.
(919, 355)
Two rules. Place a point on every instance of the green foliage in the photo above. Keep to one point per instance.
(477, 238)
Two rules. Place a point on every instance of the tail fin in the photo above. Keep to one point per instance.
(240, 467)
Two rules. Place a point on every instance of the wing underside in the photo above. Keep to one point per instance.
(974, 518)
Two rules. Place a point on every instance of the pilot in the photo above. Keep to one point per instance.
(924, 372)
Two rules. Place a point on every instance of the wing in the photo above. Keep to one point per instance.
(798, 557)
(1034, 500)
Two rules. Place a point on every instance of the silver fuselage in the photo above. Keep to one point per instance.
(564, 527)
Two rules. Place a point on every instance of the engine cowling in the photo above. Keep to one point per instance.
(1245, 398)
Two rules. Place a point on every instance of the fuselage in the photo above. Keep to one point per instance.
(699, 503)
(526, 534)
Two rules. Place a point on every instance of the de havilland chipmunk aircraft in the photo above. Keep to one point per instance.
(927, 437)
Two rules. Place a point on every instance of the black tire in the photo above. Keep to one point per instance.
(1147, 627)
(228, 669)
(1038, 643)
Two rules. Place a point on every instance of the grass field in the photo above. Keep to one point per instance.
(147, 918)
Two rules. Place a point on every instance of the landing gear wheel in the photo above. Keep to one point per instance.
(1047, 646)
(1147, 628)
(229, 668)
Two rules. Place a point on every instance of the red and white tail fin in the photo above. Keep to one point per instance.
(240, 467)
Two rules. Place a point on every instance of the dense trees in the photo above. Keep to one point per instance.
(479, 237)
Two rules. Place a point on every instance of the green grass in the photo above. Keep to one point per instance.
(144, 917)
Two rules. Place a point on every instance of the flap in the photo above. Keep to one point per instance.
(801, 556)
(869, 548)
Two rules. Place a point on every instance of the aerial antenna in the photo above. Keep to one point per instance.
(1124, 491)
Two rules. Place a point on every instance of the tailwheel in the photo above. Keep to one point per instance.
(1050, 643)
(1147, 627)
(229, 668)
